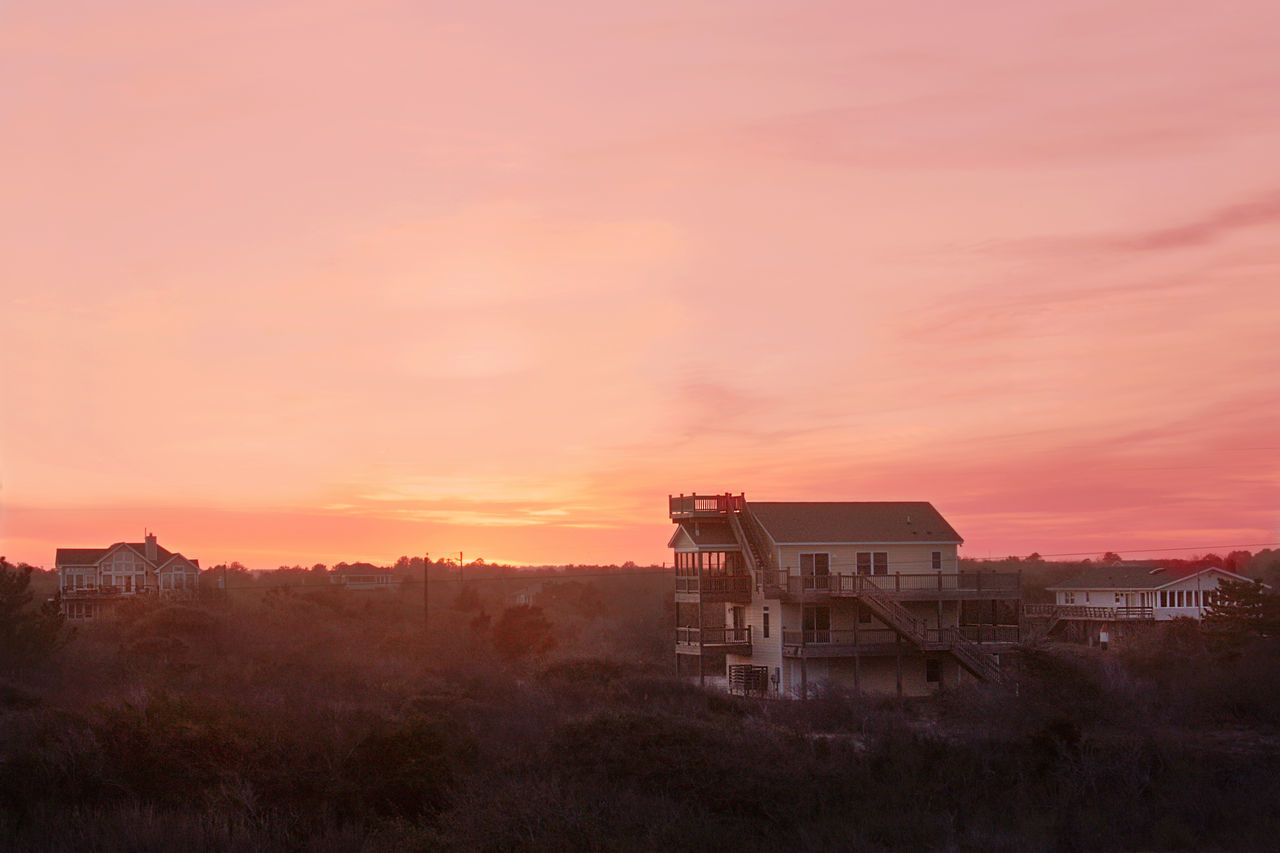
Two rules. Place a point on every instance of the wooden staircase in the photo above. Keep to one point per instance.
(759, 558)
(968, 653)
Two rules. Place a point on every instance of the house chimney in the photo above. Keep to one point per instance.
(151, 547)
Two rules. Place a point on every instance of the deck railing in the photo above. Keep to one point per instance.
(717, 636)
(1087, 611)
(81, 592)
(883, 636)
(853, 584)
(701, 505)
(723, 584)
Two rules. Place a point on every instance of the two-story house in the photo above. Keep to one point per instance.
(364, 576)
(93, 581)
(777, 598)
(1113, 600)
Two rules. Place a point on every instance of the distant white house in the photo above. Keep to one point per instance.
(93, 581)
(1112, 600)
(1149, 592)
(363, 576)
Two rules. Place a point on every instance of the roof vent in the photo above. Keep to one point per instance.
(1157, 570)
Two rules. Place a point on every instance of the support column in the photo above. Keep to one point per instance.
(899, 657)
(804, 678)
(702, 670)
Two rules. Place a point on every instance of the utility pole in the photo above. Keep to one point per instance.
(426, 561)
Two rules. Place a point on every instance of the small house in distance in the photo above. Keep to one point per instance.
(364, 576)
(1120, 598)
(777, 598)
(93, 581)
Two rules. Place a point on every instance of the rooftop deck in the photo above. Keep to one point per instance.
(705, 506)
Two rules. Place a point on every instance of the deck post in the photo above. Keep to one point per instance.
(804, 677)
(899, 656)
(702, 673)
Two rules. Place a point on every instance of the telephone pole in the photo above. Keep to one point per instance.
(426, 561)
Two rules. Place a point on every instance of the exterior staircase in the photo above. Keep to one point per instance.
(968, 653)
(759, 558)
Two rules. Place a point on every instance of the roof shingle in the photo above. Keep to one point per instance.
(853, 522)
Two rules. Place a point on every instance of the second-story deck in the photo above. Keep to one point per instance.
(925, 586)
(692, 640)
(1086, 612)
(711, 588)
(847, 642)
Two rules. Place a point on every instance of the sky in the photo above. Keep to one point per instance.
(297, 282)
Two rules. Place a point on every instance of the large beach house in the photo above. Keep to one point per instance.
(777, 598)
(93, 581)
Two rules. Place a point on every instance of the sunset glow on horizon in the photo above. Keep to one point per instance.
(314, 282)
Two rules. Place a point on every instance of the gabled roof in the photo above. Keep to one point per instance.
(1122, 577)
(705, 535)
(91, 556)
(361, 569)
(870, 522)
(78, 556)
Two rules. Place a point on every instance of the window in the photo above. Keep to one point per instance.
(1068, 598)
(815, 569)
(765, 623)
(817, 624)
(1119, 598)
(932, 670)
(1164, 598)
(937, 561)
(873, 562)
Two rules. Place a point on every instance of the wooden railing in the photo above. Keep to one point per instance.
(1087, 611)
(757, 543)
(895, 585)
(990, 633)
(718, 636)
(724, 584)
(928, 637)
(75, 592)
(687, 506)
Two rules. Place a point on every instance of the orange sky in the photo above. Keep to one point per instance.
(312, 281)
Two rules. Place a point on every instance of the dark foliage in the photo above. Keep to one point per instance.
(316, 719)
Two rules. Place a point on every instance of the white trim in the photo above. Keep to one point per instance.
(876, 542)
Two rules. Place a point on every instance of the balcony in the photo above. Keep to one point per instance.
(1086, 612)
(704, 506)
(710, 588)
(691, 640)
(790, 585)
(105, 591)
(846, 642)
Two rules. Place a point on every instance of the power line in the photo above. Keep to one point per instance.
(267, 586)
